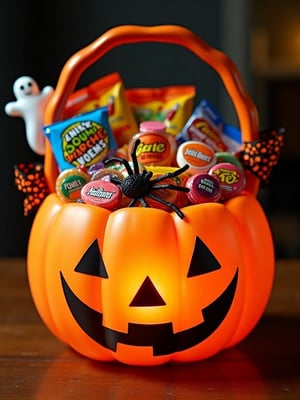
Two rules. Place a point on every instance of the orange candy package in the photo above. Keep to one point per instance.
(106, 91)
(172, 105)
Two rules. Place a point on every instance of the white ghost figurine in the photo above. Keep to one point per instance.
(30, 105)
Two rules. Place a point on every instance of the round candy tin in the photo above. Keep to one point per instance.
(106, 174)
(156, 147)
(231, 178)
(204, 188)
(224, 156)
(70, 182)
(199, 156)
(101, 193)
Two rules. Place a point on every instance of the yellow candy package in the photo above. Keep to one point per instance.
(172, 105)
(107, 91)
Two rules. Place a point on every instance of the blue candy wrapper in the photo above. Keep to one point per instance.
(83, 140)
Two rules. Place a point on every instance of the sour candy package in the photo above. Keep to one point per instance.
(85, 139)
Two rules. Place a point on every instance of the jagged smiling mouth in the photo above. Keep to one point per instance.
(158, 336)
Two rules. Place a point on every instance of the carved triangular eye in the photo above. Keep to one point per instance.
(147, 296)
(203, 261)
(91, 262)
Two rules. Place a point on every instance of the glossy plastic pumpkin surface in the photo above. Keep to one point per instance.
(142, 285)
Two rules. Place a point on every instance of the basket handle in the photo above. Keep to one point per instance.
(172, 34)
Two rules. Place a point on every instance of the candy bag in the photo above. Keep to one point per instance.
(172, 105)
(206, 125)
(83, 140)
(107, 91)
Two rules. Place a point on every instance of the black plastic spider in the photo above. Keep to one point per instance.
(139, 185)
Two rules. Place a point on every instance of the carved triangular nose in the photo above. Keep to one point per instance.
(147, 296)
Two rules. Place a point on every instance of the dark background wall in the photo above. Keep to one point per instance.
(37, 38)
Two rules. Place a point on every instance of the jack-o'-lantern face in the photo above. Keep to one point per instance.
(160, 336)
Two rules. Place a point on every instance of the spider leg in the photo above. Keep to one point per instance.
(173, 187)
(122, 161)
(179, 171)
(144, 202)
(134, 157)
(168, 204)
(172, 174)
(147, 174)
(132, 202)
(116, 180)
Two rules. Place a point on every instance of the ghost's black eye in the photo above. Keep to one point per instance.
(91, 262)
(203, 261)
(29, 84)
(22, 87)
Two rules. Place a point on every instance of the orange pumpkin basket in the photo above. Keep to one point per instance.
(141, 285)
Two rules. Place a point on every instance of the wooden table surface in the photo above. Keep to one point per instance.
(35, 365)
